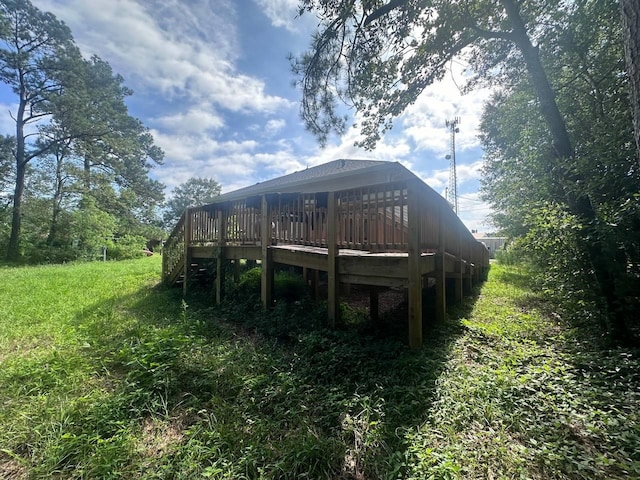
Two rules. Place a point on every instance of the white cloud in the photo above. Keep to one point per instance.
(425, 121)
(7, 124)
(282, 13)
(180, 50)
(195, 120)
(274, 126)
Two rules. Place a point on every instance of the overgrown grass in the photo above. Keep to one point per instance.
(105, 374)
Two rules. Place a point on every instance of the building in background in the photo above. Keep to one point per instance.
(492, 243)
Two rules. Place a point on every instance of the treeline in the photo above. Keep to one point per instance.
(562, 167)
(74, 175)
(574, 214)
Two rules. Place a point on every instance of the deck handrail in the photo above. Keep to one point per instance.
(173, 249)
(372, 218)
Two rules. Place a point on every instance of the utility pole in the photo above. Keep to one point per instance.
(452, 190)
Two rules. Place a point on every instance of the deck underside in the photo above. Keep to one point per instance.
(360, 267)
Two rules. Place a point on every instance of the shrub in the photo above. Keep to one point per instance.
(126, 247)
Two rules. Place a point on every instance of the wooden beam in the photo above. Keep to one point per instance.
(333, 282)
(459, 267)
(222, 235)
(374, 304)
(414, 273)
(441, 292)
(266, 288)
(187, 252)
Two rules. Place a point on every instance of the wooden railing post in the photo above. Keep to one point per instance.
(459, 266)
(220, 257)
(441, 293)
(187, 251)
(333, 281)
(266, 290)
(467, 278)
(414, 268)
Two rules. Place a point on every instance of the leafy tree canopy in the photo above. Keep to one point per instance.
(194, 192)
(84, 137)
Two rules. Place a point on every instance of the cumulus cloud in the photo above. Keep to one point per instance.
(180, 50)
(425, 121)
(282, 13)
(194, 120)
(274, 126)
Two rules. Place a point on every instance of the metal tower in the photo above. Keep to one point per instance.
(452, 190)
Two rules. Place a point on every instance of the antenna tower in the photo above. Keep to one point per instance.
(452, 190)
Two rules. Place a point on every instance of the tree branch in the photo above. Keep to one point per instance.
(385, 9)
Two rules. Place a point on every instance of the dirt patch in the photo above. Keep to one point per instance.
(11, 469)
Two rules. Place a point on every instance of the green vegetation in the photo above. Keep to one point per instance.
(105, 374)
(560, 161)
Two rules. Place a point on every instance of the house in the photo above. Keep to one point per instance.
(362, 222)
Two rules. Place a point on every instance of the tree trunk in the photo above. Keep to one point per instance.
(13, 249)
(630, 11)
(52, 238)
(605, 266)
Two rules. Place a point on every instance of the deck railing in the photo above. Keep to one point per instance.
(373, 218)
(173, 251)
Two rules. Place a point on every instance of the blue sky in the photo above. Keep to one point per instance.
(212, 81)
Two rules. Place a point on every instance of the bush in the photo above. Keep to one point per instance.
(287, 286)
(511, 254)
(126, 247)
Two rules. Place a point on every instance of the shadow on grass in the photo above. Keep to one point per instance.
(248, 393)
(593, 420)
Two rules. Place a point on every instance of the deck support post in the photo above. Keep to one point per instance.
(333, 282)
(315, 285)
(266, 285)
(468, 284)
(187, 252)
(222, 235)
(459, 268)
(414, 272)
(374, 304)
(236, 270)
(441, 292)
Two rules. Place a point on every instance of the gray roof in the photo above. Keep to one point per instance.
(325, 174)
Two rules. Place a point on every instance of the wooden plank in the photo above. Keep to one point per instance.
(375, 281)
(300, 258)
(266, 287)
(427, 263)
(414, 277)
(187, 251)
(374, 304)
(441, 294)
(459, 266)
(374, 265)
(222, 235)
(333, 299)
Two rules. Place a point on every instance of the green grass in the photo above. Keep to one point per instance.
(106, 374)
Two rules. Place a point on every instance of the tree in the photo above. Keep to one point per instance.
(630, 12)
(7, 147)
(378, 58)
(77, 113)
(35, 49)
(194, 192)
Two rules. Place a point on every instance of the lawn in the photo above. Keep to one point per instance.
(106, 374)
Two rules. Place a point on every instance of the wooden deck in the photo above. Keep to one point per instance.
(398, 234)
